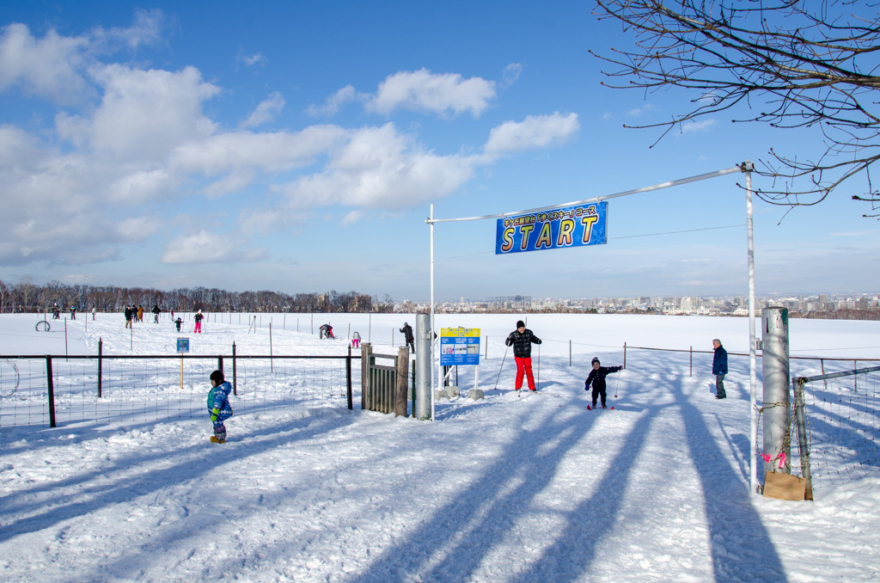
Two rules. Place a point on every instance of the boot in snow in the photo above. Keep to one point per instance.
(215, 439)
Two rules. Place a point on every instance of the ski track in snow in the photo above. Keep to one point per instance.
(504, 489)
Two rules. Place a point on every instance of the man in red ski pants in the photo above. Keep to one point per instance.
(522, 339)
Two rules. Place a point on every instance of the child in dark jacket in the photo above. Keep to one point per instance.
(218, 405)
(597, 378)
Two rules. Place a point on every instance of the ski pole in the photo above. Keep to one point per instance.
(502, 366)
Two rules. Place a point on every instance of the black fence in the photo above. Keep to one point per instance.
(58, 390)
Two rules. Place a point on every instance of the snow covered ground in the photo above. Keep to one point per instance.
(532, 488)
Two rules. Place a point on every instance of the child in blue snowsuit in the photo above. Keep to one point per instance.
(597, 378)
(218, 405)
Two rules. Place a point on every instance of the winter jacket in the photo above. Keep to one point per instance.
(156, 310)
(218, 399)
(719, 362)
(522, 343)
(407, 333)
(356, 336)
(198, 317)
(597, 376)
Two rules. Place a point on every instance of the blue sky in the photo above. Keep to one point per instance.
(297, 147)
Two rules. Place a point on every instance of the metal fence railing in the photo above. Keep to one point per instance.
(55, 390)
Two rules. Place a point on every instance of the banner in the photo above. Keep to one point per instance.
(576, 226)
(459, 346)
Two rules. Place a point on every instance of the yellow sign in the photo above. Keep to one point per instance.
(460, 332)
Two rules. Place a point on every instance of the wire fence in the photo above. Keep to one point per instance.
(58, 390)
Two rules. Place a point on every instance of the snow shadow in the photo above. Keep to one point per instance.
(110, 486)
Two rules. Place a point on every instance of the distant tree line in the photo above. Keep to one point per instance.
(26, 296)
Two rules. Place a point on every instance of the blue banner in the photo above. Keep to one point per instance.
(576, 226)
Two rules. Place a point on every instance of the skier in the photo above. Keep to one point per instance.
(356, 339)
(408, 335)
(94, 311)
(73, 312)
(597, 377)
(198, 318)
(719, 369)
(156, 311)
(218, 405)
(140, 313)
(325, 331)
(522, 339)
(128, 316)
(178, 322)
(56, 312)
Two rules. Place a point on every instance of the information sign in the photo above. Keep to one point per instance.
(459, 346)
(182, 345)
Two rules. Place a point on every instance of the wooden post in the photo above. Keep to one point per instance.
(855, 376)
(100, 365)
(692, 361)
(366, 351)
(402, 377)
(624, 355)
(487, 348)
(51, 390)
(348, 379)
(271, 360)
(569, 353)
(220, 363)
(234, 372)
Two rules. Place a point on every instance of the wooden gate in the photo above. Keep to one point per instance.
(384, 386)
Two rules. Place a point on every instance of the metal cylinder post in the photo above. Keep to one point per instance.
(424, 397)
(777, 400)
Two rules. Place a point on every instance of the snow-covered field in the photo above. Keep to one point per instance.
(535, 488)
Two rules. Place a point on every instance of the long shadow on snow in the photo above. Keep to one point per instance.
(128, 488)
(740, 544)
(533, 463)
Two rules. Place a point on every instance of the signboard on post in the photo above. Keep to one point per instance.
(575, 226)
(182, 345)
(459, 346)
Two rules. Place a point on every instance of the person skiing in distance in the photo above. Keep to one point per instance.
(178, 322)
(198, 319)
(73, 312)
(408, 335)
(94, 311)
(597, 378)
(719, 369)
(156, 311)
(140, 313)
(356, 340)
(522, 339)
(218, 405)
(128, 316)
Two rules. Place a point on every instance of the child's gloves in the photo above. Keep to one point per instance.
(214, 412)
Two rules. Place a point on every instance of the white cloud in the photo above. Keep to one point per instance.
(46, 67)
(265, 111)
(703, 125)
(510, 74)
(534, 132)
(638, 111)
(333, 103)
(441, 93)
(255, 59)
(205, 247)
(146, 30)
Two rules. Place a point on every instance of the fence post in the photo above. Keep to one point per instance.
(855, 377)
(271, 360)
(803, 444)
(234, 372)
(51, 390)
(348, 378)
(569, 353)
(100, 365)
(487, 348)
(692, 361)
(402, 370)
(220, 363)
(624, 355)
(366, 351)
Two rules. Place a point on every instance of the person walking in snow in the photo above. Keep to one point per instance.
(156, 311)
(326, 331)
(128, 316)
(178, 322)
(140, 313)
(94, 311)
(198, 319)
(597, 378)
(522, 339)
(218, 405)
(408, 336)
(356, 340)
(719, 369)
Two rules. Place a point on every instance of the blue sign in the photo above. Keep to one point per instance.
(576, 226)
(183, 345)
(459, 346)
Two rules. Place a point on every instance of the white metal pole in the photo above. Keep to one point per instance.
(753, 375)
(431, 223)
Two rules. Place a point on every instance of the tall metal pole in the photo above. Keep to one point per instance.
(747, 167)
(431, 337)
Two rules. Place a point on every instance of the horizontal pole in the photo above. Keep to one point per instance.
(660, 186)
(758, 355)
(185, 356)
(837, 375)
